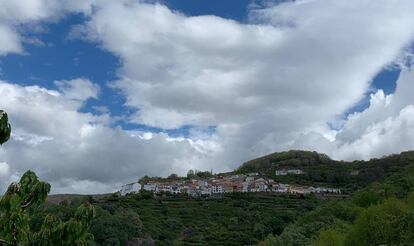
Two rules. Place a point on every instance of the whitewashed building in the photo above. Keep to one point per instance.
(282, 172)
(295, 171)
(150, 187)
(249, 179)
(215, 189)
(131, 188)
(282, 188)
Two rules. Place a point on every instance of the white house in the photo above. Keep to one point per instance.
(281, 188)
(295, 171)
(216, 189)
(201, 183)
(150, 187)
(206, 191)
(282, 172)
(249, 179)
(175, 189)
(164, 188)
(260, 185)
(245, 186)
(130, 188)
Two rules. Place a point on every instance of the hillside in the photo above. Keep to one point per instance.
(246, 219)
(381, 213)
(319, 169)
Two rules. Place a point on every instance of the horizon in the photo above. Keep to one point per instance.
(102, 92)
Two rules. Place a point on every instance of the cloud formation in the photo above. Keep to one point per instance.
(385, 127)
(78, 152)
(299, 65)
(19, 17)
(271, 84)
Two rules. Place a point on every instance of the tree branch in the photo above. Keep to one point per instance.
(4, 242)
(24, 206)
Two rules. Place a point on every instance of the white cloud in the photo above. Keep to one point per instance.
(78, 89)
(385, 127)
(207, 70)
(75, 151)
(4, 169)
(301, 65)
(16, 14)
(9, 40)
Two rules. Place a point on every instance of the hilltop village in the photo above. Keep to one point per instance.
(215, 185)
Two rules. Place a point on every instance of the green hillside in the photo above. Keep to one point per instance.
(256, 218)
(321, 170)
(382, 213)
(231, 220)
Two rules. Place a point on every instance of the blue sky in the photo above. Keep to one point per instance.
(197, 84)
(60, 57)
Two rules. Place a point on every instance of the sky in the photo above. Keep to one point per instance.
(102, 92)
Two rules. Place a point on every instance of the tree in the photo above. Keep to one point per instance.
(16, 206)
(19, 203)
(5, 128)
(329, 238)
(389, 223)
(271, 240)
(173, 176)
(190, 173)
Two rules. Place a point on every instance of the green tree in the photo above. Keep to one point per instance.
(329, 238)
(190, 173)
(5, 128)
(271, 240)
(16, 206)
(19, 203)
(173, 176)
(389, 223)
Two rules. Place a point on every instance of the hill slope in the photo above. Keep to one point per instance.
(319, 169)
(246, 219)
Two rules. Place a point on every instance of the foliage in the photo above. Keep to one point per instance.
(191, 174)
(320, 170)
(169, 220)
(18, 205)
(20, 202)
(116, 228)
(389, 223)
(379, 214)
(5, 128)
(271, 240)
(329, 238)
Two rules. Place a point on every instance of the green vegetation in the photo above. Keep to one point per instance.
(18, 207)
(5, 128)
(320, 170)
(380, 214)
(180, 220)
